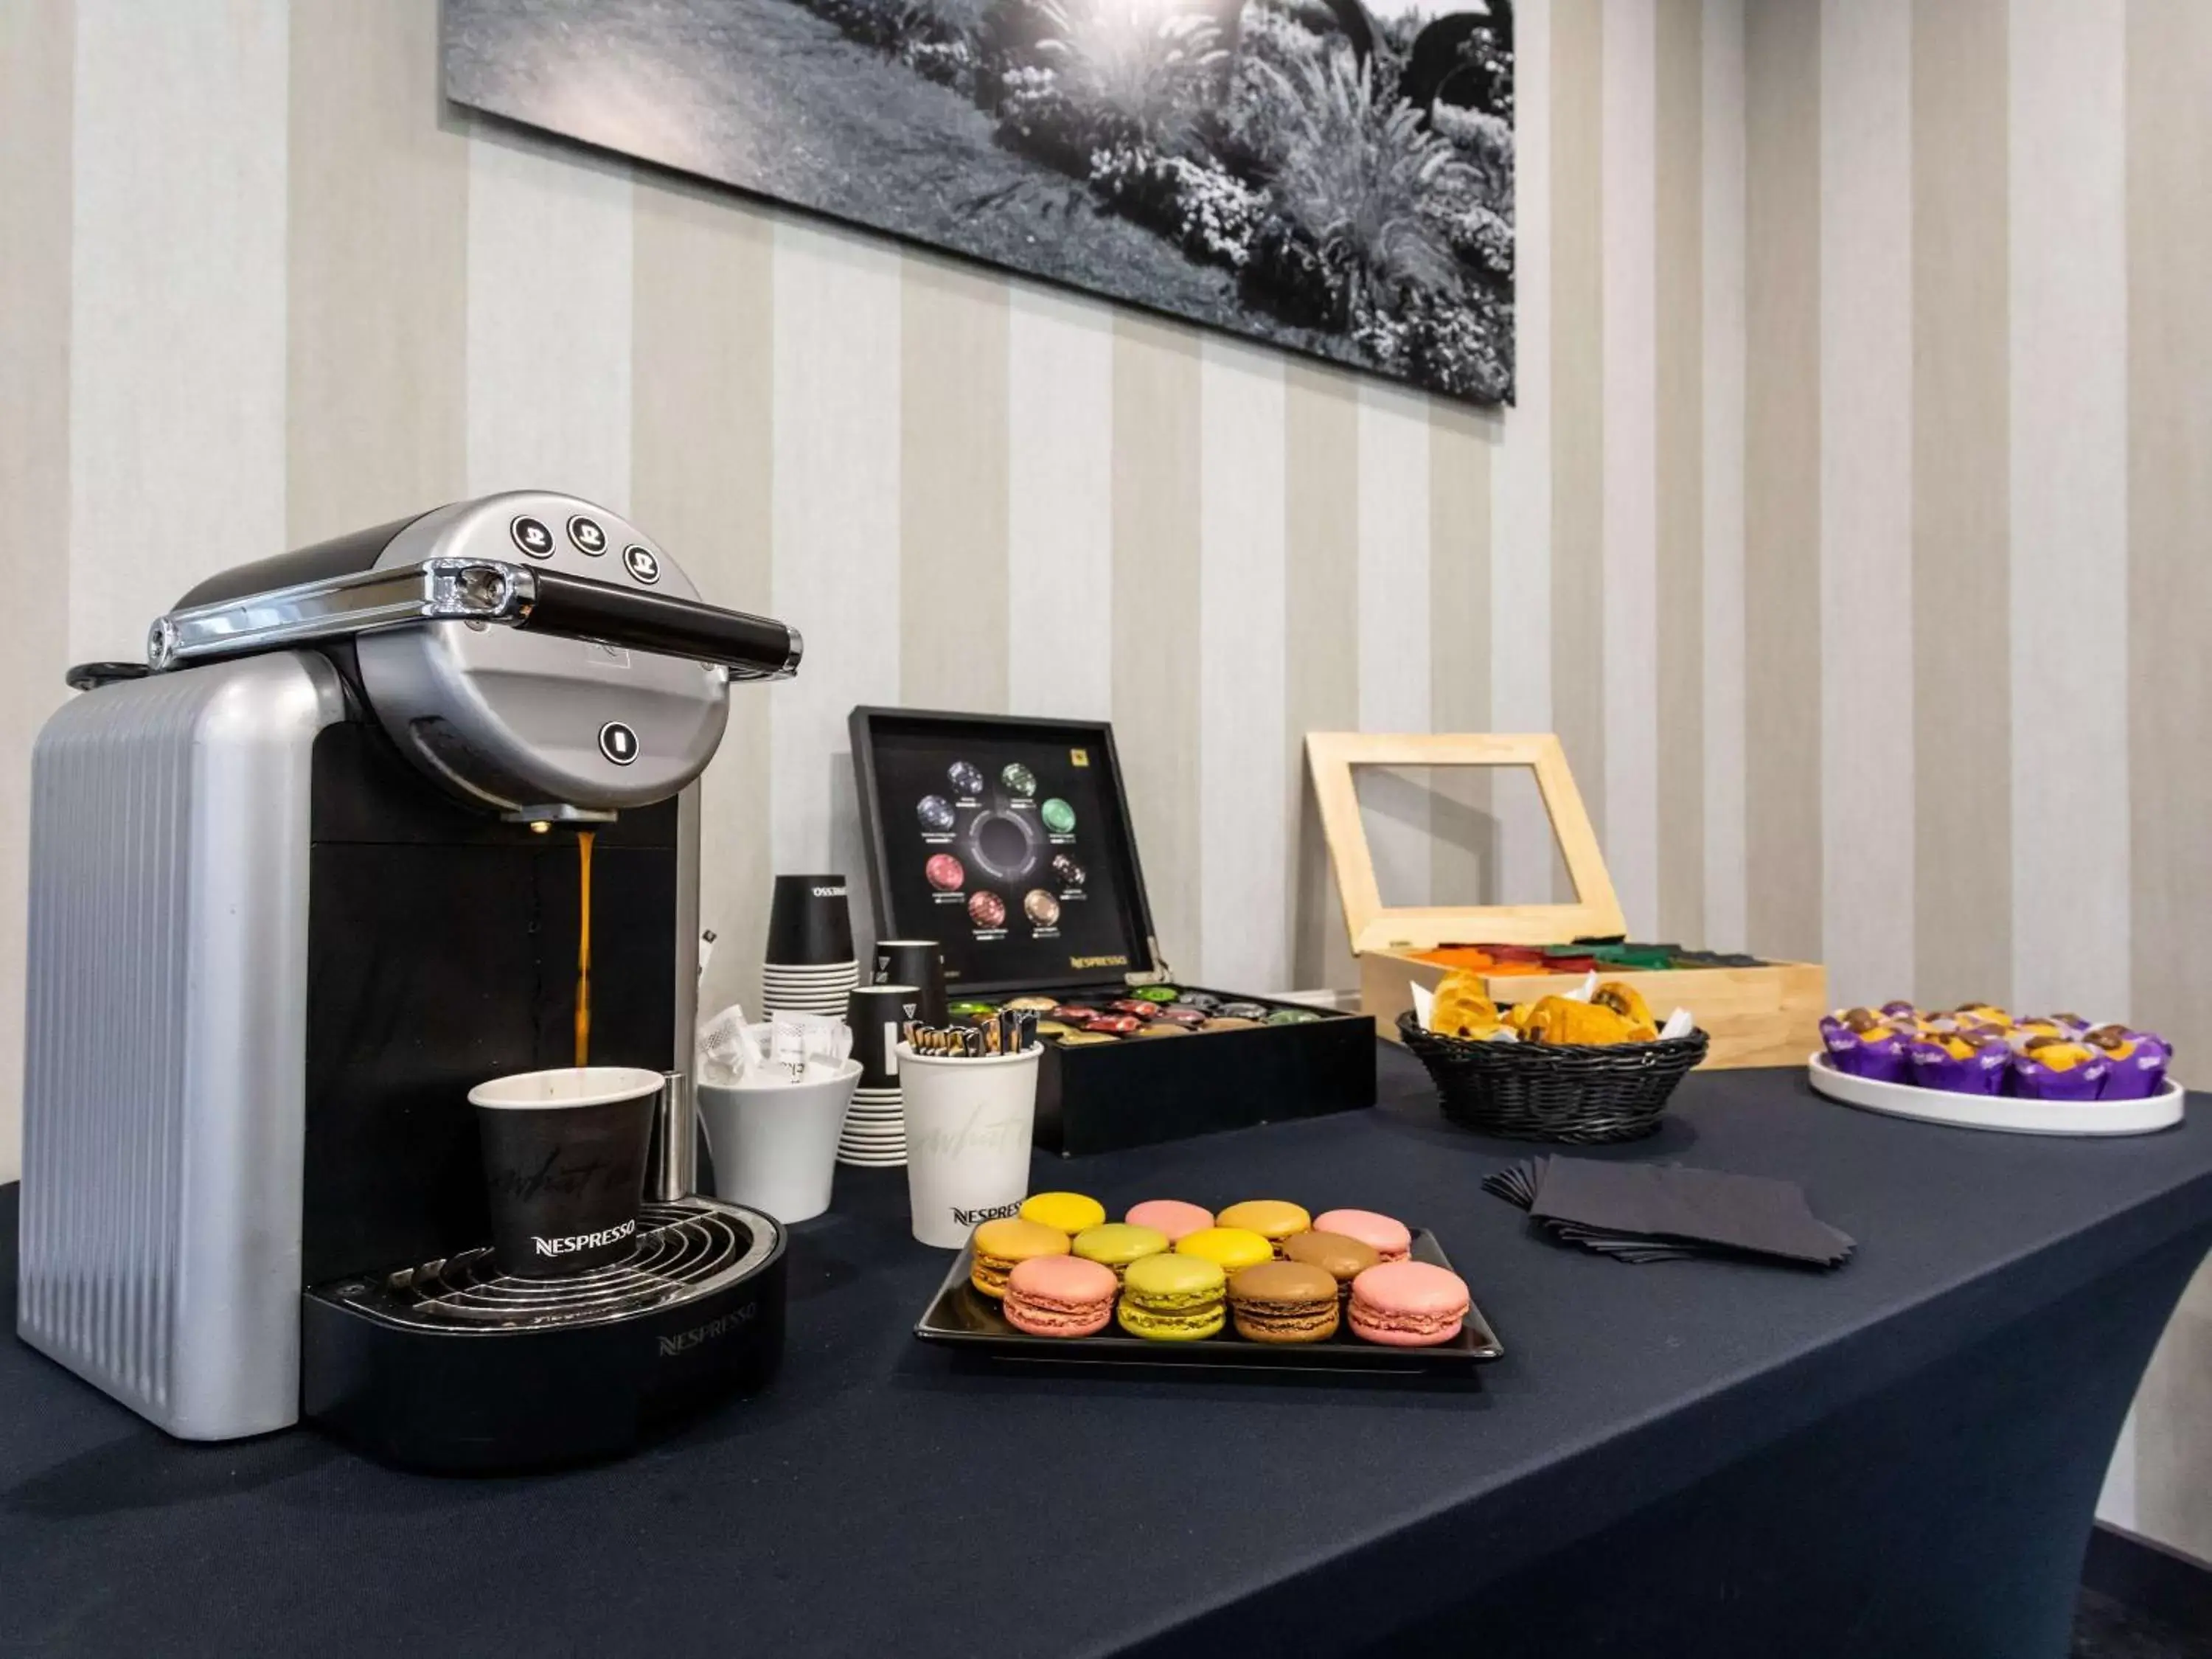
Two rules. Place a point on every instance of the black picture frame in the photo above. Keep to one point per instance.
(1337, 181)
(867, 723)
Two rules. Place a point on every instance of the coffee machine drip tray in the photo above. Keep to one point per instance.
(684, 1251)
(453, 1365)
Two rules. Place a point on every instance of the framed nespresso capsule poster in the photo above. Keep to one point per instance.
(1333, 176)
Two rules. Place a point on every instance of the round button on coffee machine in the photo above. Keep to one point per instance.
(642, 563)
(587, 536)
(618, 743)
(531, 536)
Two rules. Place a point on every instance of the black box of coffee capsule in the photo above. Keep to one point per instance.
(1008, 842)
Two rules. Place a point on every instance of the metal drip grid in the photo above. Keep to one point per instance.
(683, 1250)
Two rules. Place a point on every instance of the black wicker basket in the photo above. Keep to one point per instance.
(1553, 1092)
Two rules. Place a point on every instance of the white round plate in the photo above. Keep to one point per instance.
(2003, 1112)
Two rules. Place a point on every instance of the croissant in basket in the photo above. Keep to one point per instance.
(1564, 1020)
(1462, 1008)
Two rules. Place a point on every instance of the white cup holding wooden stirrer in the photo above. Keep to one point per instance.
(969, 1123)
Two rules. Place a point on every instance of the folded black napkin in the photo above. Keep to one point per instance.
(1665, 1213)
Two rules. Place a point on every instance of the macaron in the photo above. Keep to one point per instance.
(1408, 1304)
(1389, 1239)
(1001, 1245)
(1230, 1248)
(1170, 1216)
(1283, 1301)
(1227, 1023)
(1271, 1218)
(1069, 1211)
(1115, 1244)
(1341, 1258)
(1173, 1298)
(1160, 1028)
(1059, 1296)
(1084, 1039)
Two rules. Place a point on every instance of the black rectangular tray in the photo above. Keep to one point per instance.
(961, 1316)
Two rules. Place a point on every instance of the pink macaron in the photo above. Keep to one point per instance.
(1405, 1304)
(1170, 1216)
(1389, 1239)
(1059, 1296)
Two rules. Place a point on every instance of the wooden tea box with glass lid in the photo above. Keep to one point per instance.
(1756, 1012)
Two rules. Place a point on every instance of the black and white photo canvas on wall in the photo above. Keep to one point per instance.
(1331, 176)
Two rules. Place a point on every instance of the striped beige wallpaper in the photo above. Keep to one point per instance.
(1849, 525)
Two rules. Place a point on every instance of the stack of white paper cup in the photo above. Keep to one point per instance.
(817, 990)
(969, 1123)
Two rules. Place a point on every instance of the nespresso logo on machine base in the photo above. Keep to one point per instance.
(1099, 961)
(829, 892)
(582, 1241)
(683, 1341)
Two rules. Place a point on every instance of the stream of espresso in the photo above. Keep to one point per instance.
(583, 948)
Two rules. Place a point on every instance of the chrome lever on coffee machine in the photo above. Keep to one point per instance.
(295, 892)
(482, 592)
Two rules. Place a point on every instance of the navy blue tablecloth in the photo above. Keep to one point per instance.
(1899, 1457)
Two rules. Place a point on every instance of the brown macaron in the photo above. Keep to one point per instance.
(1283, 1301)
(1341, 1258)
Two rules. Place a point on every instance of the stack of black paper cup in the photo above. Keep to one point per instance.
(810, 967)
(918, 963)
(874, 1135)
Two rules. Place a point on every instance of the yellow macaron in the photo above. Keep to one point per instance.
(1271, 1218)
(1232, 1249)
(1069, 1211)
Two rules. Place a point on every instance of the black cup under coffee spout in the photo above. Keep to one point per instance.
(564, 1156)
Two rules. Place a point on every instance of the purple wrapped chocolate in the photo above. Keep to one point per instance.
(1979, 1070)
(2080, 1077)
(1869, 1049)
(2138, 1061)
(1901, 1010)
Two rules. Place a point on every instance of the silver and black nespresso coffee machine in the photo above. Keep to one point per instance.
(297, 883)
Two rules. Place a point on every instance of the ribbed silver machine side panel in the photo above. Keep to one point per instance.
(164, 1039)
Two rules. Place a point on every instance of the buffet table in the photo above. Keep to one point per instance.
(1901, 1457)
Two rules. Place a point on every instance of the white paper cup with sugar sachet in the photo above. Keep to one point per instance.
(970, 1119)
